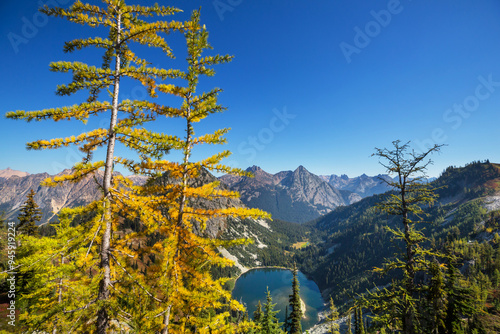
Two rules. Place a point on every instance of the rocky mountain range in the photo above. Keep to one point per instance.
(338, 249)
(363, 185)
(14, 190)
(301, 196)
(15, 185)
(342, 245)
(297, 196)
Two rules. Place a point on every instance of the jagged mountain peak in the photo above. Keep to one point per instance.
(66, 171)
(362, 185)
(301, 169)
(254, 168)
(297, 195)
(259, 172)
(302, 179)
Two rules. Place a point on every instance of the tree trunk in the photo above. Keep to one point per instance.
(187, 154)
(102, 314)
(166, 320)
(408, 316)
(59, 298)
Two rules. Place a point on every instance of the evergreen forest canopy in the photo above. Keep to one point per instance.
(136, 260)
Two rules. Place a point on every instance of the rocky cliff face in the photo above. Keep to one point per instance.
(307, 187)
(296, 196)
(51, 200)
(14, 190)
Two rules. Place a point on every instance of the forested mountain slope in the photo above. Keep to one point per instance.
(351, 241)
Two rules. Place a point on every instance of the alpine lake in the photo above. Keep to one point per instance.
(252, 286)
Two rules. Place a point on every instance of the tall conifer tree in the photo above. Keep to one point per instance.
(435, 308)
(179, 277)
(161, 273)
(361, 323)
(460, 302)
(295, 304)
(269, 322)
(356, 321)
(29, 215)
(125, 25)
(398, 306)
(257, 314)
(359, 327)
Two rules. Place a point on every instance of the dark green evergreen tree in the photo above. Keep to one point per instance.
(435, 309)
(356, 321)
(360, 327)
(460, 302)
(3, 245)
(269, 323)
(295, 305)
(3, 220)
(286, 325)
(28, 217)
(257, 314)
(496, 278)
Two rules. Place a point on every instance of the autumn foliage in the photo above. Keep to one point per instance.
(98, 275)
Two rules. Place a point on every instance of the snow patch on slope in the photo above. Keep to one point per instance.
(231, 257)
(263, 223)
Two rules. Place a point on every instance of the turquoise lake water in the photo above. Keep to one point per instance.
(251, 287)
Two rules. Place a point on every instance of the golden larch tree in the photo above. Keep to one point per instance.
(98, 276)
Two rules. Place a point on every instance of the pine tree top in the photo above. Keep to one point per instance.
(29, 215)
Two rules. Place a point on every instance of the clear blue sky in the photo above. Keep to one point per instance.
(313, 83)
